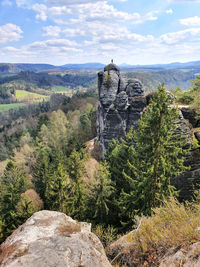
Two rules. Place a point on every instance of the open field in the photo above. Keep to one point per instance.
(9, 106)
(7, 75)
(23, 95)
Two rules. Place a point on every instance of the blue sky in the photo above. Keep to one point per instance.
(77, 31)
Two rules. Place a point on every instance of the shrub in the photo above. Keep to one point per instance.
(172, 226)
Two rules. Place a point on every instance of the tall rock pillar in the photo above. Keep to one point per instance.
(120, 105)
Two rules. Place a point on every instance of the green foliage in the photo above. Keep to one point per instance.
(106, 234)
(190, 97)
(172, 227)
(41, 170)
(101, 195)
(117, 156)
(57, 189)
(14, 182)
(76, 196)
(44, 152)
(10, 106)
(159, 156)
(142, 175)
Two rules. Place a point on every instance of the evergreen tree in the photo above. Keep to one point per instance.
(14, 182)
(42, 170)
(159, 156)
(76, 194)
(56, 193)
(117, 155)
(101, 193)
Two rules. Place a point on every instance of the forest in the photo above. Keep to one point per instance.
(51, 159)
(47, 166)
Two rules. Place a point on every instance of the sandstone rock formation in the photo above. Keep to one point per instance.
(120, 105)
(52, 239)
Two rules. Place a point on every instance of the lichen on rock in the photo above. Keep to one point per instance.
(51, 238)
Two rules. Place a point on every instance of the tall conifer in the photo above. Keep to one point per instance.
(158, 157)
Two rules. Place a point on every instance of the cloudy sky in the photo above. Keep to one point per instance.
(79, 31)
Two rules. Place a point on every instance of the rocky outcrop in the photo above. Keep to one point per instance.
(120, 105)
(182, 257)
(122, 252)
(52, 239)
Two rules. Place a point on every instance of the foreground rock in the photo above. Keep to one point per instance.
(51, 239)
(182, 257)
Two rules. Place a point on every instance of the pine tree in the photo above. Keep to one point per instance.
(116, 156)
(101, 193)
(57, 189)
(159, 156)
(14, 182)
(76, 196)
(42, 170)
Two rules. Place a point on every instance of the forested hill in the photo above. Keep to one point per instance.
(15, 68)
(45, 79)
(171, 78)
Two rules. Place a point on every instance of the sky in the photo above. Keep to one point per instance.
(78, 31)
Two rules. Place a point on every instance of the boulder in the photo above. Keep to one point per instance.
(184, 258)
(51, 238)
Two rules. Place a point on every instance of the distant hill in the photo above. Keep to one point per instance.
(171, 78)
(18, 67)
(174, 65)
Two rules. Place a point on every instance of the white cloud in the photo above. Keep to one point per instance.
(188, 35)
(53, 31)
(6, 3)
(192, 21)
(77, 2)
(42, 11)
(24, 3)
(55, 50)
(89, 11)
(183, 1)
(59, 10)
(169, 11)
(126, 38)
(102, 11)
(53, 43)
(10, 33)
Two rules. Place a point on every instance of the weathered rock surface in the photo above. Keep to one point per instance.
(52, 239)
(183, 258)
(120, 105)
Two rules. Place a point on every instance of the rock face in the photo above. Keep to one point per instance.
(52, 239)
(120, 104)
(189, 258)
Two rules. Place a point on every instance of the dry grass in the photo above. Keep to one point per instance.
(172, 226)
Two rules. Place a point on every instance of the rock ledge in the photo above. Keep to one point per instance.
(51, 238)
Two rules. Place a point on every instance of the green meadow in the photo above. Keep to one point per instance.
(4, 107)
